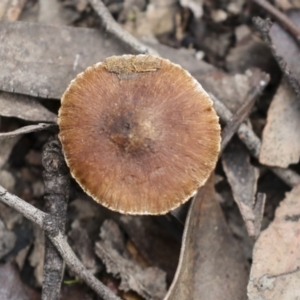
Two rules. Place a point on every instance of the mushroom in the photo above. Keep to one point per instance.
(139, 134)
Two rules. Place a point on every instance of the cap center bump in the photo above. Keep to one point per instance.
(131, 134)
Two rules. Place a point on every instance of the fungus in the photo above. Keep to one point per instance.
(139, 134)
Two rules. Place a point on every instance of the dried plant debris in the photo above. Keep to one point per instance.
(50, 57)
(7, 240)
(211, 262)
(162, 245)
(61, 53)
(281, 135)
(12, 288)
(7, 146)
(251, 52)
(242, 177)
(258, 84)
(284, 47)
(86, 209)
(24, 107)
(287, 4)
(86, 216)
(70, 50)
(275, 272)
(75, 292)
(7, 180)
(10, 216)
(157, 18)
(230, 89)
(149, 282)
(10, 10)
(25, 130)
(196, 6)
(21, 257)
(56, 13)
(83, 246)
(214, 44)
(36, 258)
(185, 58)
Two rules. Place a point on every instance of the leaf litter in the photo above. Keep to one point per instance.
(212, 264)
(281, 136)
(275, 272)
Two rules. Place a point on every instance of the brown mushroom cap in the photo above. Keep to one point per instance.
(139, 134)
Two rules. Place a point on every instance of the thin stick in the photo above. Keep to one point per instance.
(57, 182)
(286, 22)
(253, 143)
(260, 82)
(46, 222)
(114, 28)
(27, 210)
(77, 267)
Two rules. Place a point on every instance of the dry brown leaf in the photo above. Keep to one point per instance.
(287, 51)
(24, 107)
(62, 52)
(230, 89)
(51, 56)
(285, 48)
(211, 264)
(242, 177)
(281, 135)
(159, 248)
(149, 282)
(251, 52)
(275, 272)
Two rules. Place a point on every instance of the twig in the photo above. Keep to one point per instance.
(46, 222)
(253, 143)
(286, 22)
(77, 267)
(114, 28)
(27, 210)
(260, 81)
(57, 182)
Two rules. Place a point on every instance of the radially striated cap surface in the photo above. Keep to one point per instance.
(139, 134)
